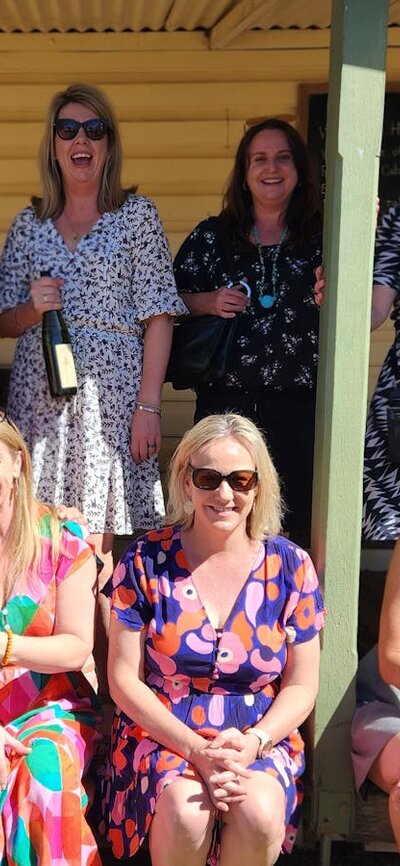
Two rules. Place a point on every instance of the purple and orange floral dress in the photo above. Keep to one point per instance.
(43, 804)
(209, 680)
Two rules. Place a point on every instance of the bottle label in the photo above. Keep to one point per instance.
(66, 365)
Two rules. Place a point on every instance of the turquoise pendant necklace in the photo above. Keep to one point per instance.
(266, 294)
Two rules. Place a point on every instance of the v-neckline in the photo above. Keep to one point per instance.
(219, 631)
(87, 234)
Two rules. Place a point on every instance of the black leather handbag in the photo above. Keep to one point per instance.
(201, 347)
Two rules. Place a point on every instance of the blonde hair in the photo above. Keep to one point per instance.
(111, 194)
(22, 546)
(264, 519)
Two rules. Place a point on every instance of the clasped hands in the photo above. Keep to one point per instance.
(223, 765)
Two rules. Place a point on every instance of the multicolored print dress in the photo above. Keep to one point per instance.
(42, 807)
(209, 681)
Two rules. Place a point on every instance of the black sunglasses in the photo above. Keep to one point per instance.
(241, 480)
(67, 128)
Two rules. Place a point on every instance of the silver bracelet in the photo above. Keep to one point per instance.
(149, 407)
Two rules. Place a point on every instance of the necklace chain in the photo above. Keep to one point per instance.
(266, 297)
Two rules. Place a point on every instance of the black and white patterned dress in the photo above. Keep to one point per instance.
(272, 369)
(381, 512)
(119, 275)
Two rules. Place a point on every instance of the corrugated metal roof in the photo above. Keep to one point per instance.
(228, 18)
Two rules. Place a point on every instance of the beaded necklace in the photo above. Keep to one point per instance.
(267, 297)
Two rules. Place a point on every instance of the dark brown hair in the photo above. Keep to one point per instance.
(303, 215)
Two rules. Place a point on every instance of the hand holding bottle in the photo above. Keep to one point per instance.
(45, 294)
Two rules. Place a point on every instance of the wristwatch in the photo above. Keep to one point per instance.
(265, 741)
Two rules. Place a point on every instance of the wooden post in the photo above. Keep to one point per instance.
(355, 111)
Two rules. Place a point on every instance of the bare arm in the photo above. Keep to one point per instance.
(225, 302)
(389, 626)
(382, 301)
(299, 688)
(72, 640)
(146, 426)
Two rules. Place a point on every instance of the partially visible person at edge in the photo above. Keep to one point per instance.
(268, 233)
(48, 710)
(381, 503)
(376, 723)
(213, 664)
(111, 273)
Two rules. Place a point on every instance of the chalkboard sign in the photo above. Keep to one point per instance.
(313, 113)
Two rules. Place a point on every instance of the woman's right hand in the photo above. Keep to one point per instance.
(45, 294)
(9, 744)
(227, 301)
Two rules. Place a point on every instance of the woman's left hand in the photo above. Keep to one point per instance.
(145, 435)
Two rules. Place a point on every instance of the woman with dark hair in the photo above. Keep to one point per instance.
(269, 235)
(111, 273)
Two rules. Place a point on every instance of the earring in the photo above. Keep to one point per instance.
(244, 185)
(188, 507)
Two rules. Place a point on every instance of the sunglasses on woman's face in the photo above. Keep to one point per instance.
(67, 128)
(241, 480)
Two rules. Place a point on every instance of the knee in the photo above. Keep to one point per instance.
(187, 818)
(261, 823)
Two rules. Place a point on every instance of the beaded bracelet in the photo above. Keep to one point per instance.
(149, 407)
(7, 655)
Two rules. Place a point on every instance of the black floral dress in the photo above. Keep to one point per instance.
(273, 366)
(119, 275)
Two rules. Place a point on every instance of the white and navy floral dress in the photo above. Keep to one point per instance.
(119, 275)
(381, 512)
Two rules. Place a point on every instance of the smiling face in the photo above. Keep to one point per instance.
(80, 160)
(271, 173)
(221, 510)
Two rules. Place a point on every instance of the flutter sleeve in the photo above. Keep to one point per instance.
(387, 251)
(15, 262)
(304, 612)
(154, 283)
(130, 589)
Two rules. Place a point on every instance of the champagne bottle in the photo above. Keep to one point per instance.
(57, 351)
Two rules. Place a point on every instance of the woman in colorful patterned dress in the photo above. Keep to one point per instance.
(48, 711)
(268, 234)
(213, 663)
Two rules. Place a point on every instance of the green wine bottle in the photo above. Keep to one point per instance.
(57, 351)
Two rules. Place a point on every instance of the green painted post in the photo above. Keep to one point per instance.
(355, 110)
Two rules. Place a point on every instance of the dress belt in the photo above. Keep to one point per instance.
(80, 322)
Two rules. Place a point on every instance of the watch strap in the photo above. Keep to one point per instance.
(265, 740)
